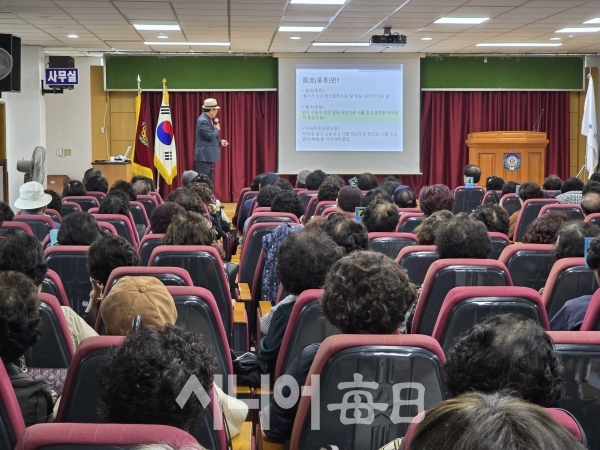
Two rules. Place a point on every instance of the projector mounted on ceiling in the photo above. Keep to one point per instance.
(387, 39)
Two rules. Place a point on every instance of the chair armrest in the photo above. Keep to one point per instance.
(243, 441)
(264, 307)
(245, 294)
(240, 327)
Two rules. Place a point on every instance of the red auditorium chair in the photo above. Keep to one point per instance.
(157, 196)
(591, 320)
(311, 207)
(138, 213)
(511, 203)
(52, 285)
(467, 199)
(551, 193)
(147, 245)
(124, 226)
(262, 209)
(69, 262)
(306, 195)
(7, 226)
(262, 217)
(84, 201)
(68, 208)
(408, 210)
(324, 206)
(149, 202)
(529, 212)
(417, 259)
(54, 215)
(11, 419)
(244, 195)
(464, 307)
(169, 276)
(307, 325)
(408, 222)
(445, 274)
(491, 197)
(39, 224)
(253, 205)
(574, 212)
(239, 203)
(593, 218)
(94, 436)
(580, 355)
(403, 359)
(499, 242)
(569, 278)
(98, 195)
(529, 265)
(108, 228)
(390, 244)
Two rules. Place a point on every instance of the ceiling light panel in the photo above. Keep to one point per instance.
(462, 20)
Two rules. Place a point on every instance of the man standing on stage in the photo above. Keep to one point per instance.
(206, 150)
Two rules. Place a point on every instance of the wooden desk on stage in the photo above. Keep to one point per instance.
(488, 149)
(114, 171)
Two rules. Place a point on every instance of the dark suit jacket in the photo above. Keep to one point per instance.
(207, 148)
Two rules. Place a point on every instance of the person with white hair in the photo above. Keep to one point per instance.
(187, 177)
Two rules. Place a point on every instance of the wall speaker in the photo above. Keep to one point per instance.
(12, 44)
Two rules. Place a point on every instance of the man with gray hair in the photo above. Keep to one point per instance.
(301, 180)
(187, 177)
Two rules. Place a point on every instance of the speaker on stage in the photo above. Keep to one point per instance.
(12, 44)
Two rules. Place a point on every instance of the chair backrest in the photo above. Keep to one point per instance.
(93, 211)
(169, 276)
(97, 195)
(138, 212)
(157, 196)
(54, 348)
(573, 212)
(7, 226)
(206, 270)
(408, 210)
(306, 195)
(12, 425)
(39, 224)
(253, 205)
(409, 221)
(591, 320)
(529, 212)
(390, 244)
(262, 209)
(593, 218)
(84, 201)
(239, 204)
(511, 203)
(248, 195)
(529, 265)
(80, 399)
(324, 206)
(149, 202)
(551, 193)
(52, 285)
(68, 208)
(54, 215)
(123, 225)
(396, 376)
(311, 207)
(445, 274)
(108, 228)
(569, 278)
(499, 242)
(262, 217)
(416, 259)
(491, 197)
(69, 262)
(464, 307)
(306, 326)
(580, 354)
(147, 245)
(467, 199)
(95, 436)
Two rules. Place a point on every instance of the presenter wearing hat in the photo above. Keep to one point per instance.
(207, 149)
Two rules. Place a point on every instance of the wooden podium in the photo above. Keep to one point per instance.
(489, 149)
(114, 171)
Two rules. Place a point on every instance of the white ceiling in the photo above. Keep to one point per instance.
(252, 25)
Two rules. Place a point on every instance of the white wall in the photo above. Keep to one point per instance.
(68, 124)
(25, 116)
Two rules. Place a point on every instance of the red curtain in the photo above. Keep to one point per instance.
(248, 121)
(448, 117)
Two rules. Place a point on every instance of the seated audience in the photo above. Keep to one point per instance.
(365, 293)
(32, 200)
(150, 181)
(375, 194)
(114, 204)
(328, 191)
(570, 191)
(315, 179)
(544, 230)
(122, 185)
(381, 216)
(346, 232)
(189, 200)
(506, 351)
(258, 183)
(56, 203)
(389, 185)
(494, 183)
(20, 328)
(428, 230)
(463, 237)
(97, 184)
(266, 195)
(205, 192)
(187, 177)
(510, 187)
(303, 261)
(590, 202)
(78, 228)
(367, 181)
(301, 178)
(288, 202)
(405, 197)
(473, 171)
(552, 183)
(527, 191)
(141, 185)
(90, 173)
(595, 176)
(435, 198)
(494, 421)
(191, 229)
(74, 188)
(162, 215)
(570, 242)
(348, 199)
(591, 186)
(201, 178)
(284, 185)
(7, 213)
(570, 316)
(493, 216)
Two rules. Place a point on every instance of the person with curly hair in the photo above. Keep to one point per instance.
(381, 216)
(570, 316)
(510, 187)
(97, 184)
(494, 421)
(125, 186)
(74, 188)
(315, 179)
(141, 379)
(435, 198)
(78, 228)
(405, 197)
(494, 183)
(428, 230)
(264, 180)
(266, 195)
(347, 233)
(284, 185)
(7, 213)
(463, 237)
(367, 181)
(506, 351)
(189, 200)
(544, 229)
(365, 293)
(552, 183)
(288, 202)
(493, 216)
(375, 194)
(20, 328)
(329, 189)
(527, 191)
(303, 261)
(162, 215)
(114, 204)
(56, 203)
(389, 185)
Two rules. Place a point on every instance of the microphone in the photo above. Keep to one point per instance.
(538, 122)
(216, 121)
